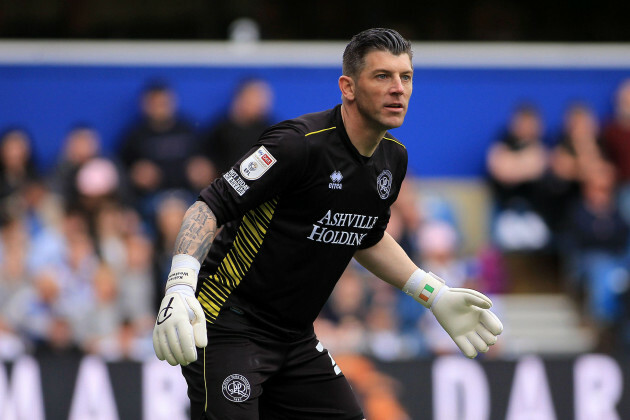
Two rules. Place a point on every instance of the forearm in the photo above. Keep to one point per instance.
(388, 261)
(198, 230)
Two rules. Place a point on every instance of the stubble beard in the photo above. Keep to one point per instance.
(372, 118)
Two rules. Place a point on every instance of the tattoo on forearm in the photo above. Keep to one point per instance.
(197, 232)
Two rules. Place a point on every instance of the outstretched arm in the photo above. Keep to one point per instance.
(387, 261)
(463, 313)
(181, 324)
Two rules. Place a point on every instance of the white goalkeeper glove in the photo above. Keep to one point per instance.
(181, 324)
(463, 313)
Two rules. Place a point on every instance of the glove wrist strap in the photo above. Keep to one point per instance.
(423, 287)
(184, 271)
(181, 288)
(185, 261)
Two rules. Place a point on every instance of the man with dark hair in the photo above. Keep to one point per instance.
(160, 150)
(235, 133)
(372, 39)
(313, 193)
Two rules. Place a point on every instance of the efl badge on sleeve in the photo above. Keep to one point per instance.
(257, 164)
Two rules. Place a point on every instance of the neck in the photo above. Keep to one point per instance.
(362, 136)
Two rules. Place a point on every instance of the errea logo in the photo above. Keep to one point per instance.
(336, 178)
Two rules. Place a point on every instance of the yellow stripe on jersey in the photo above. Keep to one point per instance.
(319, 131)
(216, 289)
(395, 141)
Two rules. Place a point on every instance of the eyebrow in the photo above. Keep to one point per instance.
(381, 70)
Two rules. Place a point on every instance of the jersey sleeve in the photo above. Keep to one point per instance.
(273, 164)
(377, 232)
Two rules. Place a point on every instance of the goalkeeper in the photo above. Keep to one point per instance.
(313, 193)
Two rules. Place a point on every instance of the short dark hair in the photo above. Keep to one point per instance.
(156, 86)
(375, 39)
(527, 108)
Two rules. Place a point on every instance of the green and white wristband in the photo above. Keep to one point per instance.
(424, 287)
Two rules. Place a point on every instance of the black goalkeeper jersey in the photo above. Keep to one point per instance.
(294, 211)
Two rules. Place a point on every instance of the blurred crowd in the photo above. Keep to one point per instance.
(85, 248)
(569, 197)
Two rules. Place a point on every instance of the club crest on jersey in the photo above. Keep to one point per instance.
(384, 183)
(256, 164)
(236, 388)
(336, 178)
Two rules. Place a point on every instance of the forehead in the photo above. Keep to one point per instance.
(384, 60)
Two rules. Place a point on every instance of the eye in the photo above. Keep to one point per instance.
(405, 78)
(381, 76)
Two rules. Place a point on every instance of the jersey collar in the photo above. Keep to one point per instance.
(343, 134)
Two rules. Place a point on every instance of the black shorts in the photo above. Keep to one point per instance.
(246, 373)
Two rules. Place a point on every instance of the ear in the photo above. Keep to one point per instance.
(347, 86)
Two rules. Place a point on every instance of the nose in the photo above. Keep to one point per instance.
(397, 85)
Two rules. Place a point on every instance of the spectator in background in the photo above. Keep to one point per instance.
(103, 317)
(98, 185)
(79, 262)
(109, 328)
(439, 243)
(597, 252)
(341, 322)
(577, 154)
(158, 150)
(38, 312)
(90, 183)
(14, 279)
(249, 115)
(24, 224)
(17, 166)
(579, 150)
(81, 144)
(14, 248)
(518, 166)
(406, 218)
(40, 207)
(67, 250)
(385, 340)
(136, 283)
(616, 136)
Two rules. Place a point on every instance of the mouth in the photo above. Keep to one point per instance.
(395, 107)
